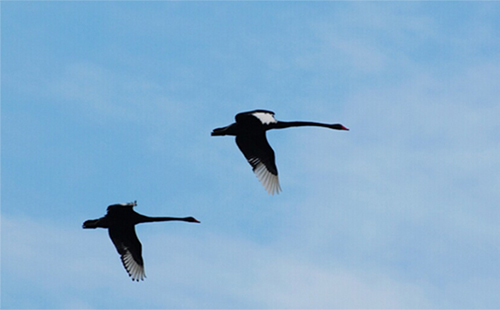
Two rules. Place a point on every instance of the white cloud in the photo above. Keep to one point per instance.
(399, 212)
(412, 188)
(77, 268)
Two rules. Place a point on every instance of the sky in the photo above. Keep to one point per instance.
(113, 101)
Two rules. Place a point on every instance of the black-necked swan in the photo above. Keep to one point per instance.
(120, 220)
(250, 131)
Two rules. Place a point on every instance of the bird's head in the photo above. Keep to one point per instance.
(338, 127)
(191, 219)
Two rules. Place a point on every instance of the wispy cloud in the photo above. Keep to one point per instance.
(411, 188)
(399, 212)
(218, 270)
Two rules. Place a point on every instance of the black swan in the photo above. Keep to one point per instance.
(120, 221)
(250, 131)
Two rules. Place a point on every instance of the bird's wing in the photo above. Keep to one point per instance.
(260, 155)
(129, 247)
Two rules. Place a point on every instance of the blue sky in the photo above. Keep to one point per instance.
(106, 102)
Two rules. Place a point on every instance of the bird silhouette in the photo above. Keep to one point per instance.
(250, 131)
(120, 220)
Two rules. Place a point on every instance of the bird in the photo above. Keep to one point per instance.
(120, 220)
(250, 131)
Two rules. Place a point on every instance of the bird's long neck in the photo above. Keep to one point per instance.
(280, 125)
(148, 219)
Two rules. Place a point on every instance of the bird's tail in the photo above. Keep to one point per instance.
(219, 131)
(230, 130)
(90, 224)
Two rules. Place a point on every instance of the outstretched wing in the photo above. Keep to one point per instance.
(260, 155)
(129, 247)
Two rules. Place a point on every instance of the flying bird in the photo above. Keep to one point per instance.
(250, 131)
(120, 220)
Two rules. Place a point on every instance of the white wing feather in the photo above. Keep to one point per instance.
(270, 181)
(134, 270)
(265, 118)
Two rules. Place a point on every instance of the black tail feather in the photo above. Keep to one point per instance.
(90, 224)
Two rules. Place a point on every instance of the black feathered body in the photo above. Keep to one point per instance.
(120, 220)
(250, 131)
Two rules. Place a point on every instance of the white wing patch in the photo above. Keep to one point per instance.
(134, 270)
(265, 118)
(270, 181)
(128, 204)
